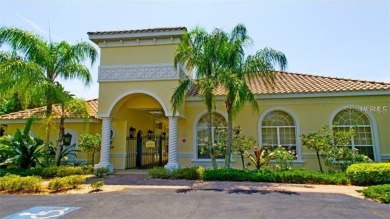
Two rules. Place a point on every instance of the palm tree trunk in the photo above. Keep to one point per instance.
(210, 135)
(60, 141)
(229, 138)
(49, 107)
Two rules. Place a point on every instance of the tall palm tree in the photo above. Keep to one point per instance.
(34, 76)
(237, 69)
(198, 50)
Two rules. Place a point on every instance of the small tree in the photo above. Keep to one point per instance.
(340, 156)
(241, 144)
(331, 145)
(90, 144)
(320, 142)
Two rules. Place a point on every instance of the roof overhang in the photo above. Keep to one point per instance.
(130, 35)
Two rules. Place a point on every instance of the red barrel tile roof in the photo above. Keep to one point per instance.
(25, 114)
(296, 83)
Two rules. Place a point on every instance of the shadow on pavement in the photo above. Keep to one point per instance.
(240, 191)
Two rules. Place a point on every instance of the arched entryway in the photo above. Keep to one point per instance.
(142, 127)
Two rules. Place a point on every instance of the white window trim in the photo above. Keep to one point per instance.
(297, 129)
(195, 137)
(374, 128)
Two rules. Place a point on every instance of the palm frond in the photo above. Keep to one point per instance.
(272, 57)
(179, 93)
(75, 70)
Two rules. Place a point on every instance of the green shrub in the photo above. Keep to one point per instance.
(68, 171)
(189, 173)
(297, 176)
(294, 176)
(159, 173)
(96, 186)
(65, 183)
(369, 173)
(37, 171)
(340, 158)
(101, 172)
(283, 159)
(87, 169)
(61, 171)
(380, 193)
(49, 172)
(15, 183)
(21, 149)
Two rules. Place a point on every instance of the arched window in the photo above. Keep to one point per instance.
(218, 123)
(279, 128)
(356, 119)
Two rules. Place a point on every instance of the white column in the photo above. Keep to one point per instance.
(172, 144)
(105, 151)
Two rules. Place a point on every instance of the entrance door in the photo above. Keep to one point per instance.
(147, 151)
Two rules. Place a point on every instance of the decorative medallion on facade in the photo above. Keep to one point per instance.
(139, 72)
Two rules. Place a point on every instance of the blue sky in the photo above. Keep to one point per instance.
(348, 39)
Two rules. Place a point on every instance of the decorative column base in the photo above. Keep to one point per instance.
(171, 167)
(109, 166)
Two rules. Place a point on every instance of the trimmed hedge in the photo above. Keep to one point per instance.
(369, 173)
(189, 173)
(37, 171)
(15, 183)
(49, 172)
(159, 173)
(293, 176)
(65, 183)
(380, 193)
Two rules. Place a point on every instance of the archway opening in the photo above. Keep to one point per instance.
(141, 132)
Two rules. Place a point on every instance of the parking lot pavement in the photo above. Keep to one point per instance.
(186, 202)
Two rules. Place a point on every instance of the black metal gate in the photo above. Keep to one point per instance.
(146, 151)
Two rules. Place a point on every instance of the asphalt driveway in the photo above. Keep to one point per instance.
(181, 202)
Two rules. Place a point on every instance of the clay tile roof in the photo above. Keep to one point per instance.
(296, 83)
(25, 114)
(150, 30)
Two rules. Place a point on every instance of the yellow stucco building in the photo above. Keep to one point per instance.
(136, 81)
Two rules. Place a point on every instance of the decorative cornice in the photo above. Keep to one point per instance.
(145, 72)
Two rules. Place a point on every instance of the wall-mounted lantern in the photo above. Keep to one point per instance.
(67, 139)
(150, 133)
(132, 132)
